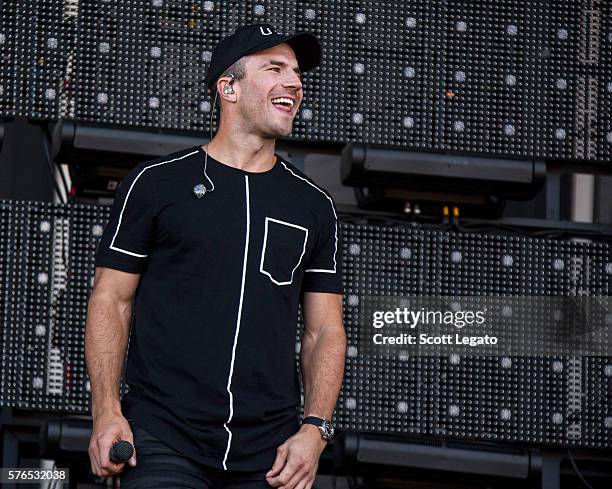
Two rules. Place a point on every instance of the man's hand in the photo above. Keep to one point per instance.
(108, 428)
(297, 460)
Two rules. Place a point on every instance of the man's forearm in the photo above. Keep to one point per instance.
(106, 336)
(322, 362)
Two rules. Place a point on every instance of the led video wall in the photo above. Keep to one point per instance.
(46, 271)
(502, 77)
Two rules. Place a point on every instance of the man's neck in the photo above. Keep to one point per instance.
(249, 153)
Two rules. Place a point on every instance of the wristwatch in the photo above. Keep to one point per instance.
(325, 425)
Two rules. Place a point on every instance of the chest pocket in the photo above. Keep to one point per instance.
(282, 250)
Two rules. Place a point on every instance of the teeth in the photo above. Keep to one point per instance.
(283, 100)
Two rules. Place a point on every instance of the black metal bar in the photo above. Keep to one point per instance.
(424, 456)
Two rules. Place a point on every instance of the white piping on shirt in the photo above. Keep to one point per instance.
(323, 270)
(112, 243)
(263, 249)
(238, 319)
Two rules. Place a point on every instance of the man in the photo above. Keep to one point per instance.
(218, 245)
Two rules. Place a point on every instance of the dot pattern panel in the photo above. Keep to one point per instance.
(483, 94)
(500, 77)
(387, 67)
(49, 53)
(603, 125)
(14, 59)
(565, 79)
(531, 400)
(46, 268)
(48, 251)
(8, 246)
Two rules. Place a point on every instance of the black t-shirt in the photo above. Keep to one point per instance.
(211, 361)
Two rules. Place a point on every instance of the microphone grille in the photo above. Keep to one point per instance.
(121, 451)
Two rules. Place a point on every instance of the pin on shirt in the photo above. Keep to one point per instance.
(199, 190)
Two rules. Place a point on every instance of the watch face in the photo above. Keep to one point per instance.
(328, 429)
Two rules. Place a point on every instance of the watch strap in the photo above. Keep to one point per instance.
(314, 420)
(325, 426)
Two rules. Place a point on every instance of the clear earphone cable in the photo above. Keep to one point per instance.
(209, 140)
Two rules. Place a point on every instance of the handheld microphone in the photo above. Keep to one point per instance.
(121, 451)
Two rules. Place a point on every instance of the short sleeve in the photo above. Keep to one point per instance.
(323, 272)
(126, 239)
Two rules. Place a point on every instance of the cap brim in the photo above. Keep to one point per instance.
(307, 50)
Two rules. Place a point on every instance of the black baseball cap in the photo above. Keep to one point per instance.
(252, 38)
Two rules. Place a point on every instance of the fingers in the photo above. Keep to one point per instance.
(313, 475)
(99, 454)
(108, 429)
(304, 479)
(107, 464)
(279, 461)
(304, 473)
(130, 437)
(95, 459)
(107, 467)
(294, 471)
(303, 484)
(95, 467)
(294, 477)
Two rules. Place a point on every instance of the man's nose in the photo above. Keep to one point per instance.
(293, 80)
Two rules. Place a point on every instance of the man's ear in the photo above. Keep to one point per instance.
(225, 89)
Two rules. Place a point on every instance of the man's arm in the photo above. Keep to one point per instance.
(107, 329)
(322, 356)
(322, 353)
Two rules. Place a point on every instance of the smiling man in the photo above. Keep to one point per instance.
(219, 244)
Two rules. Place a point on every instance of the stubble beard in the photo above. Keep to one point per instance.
(268, 125)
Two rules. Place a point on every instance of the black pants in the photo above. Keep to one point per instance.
(160, 467)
